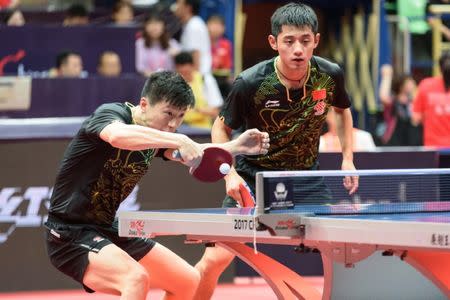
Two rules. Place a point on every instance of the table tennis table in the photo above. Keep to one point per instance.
(348, 235)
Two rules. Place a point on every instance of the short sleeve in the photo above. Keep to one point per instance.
(236, 104)
(105, 115)
(341, 98)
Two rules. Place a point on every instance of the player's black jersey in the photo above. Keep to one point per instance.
(95, 177)
(258, 99)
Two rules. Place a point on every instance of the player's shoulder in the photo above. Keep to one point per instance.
(258, 71)
(326, 66)
(113, 106)
(115, 110)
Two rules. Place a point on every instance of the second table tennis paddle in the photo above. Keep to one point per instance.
(216, 163)
(248, 199)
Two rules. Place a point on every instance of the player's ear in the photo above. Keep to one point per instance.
(143, 103)
(273, 42)
(316, 40)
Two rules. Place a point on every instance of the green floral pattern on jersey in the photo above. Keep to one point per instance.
(267, 87)
(117, 180)
(294, 128)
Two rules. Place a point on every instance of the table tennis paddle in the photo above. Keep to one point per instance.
(216, 163)
(248, 199)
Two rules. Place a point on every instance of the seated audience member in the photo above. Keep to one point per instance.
(222, 53)
(68, 64)
(207, 104)
(431, 106)
(76, 15)
(109, 64)
(123, 14)
(329, 142)
(14, 18)
(398, 127)
(155, 50)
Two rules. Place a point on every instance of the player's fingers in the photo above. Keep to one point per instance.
(236, 195)
(264, 150)
(355, 184)
(347, 182)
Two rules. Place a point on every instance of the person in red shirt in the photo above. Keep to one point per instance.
(431, 106)
(222, 53)
(9, 4)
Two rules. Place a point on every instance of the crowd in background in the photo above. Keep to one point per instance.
(202, 54)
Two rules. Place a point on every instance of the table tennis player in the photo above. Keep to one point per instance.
(102, 164)
(287, 96)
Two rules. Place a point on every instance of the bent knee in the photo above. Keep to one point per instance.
(137, 277)
(217, 258)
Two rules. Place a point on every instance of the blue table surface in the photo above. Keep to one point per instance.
(434, 217)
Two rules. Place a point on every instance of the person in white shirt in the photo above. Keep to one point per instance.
(329, 142)
(195, 39)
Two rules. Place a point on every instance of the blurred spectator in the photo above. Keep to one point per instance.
(68, 64)
(76, 15)
(123, 14)
(5, 4)
(222, 53)
(14, 18)
(195, 39)
(431, 106)
(194, 36)
(155, 50)
(396, 99)
(207, 104)
(109, 64)
(329, 142)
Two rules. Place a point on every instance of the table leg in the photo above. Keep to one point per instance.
(286, 283)
(433, 265)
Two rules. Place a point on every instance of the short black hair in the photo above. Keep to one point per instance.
(77, 10)
(195, 5)
(62, 57)
(294, 14)
(170, 87)
(184, 58)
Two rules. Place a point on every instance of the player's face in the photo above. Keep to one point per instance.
(295, 45)
(163, 116)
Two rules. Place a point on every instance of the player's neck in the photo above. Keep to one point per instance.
(137, 116)
(293, 79)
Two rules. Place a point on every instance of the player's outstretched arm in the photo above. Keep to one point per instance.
(135, 137)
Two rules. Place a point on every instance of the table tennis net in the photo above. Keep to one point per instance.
(379, 191)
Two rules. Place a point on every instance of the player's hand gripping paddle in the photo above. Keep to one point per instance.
(248, 199)
(216, 163)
